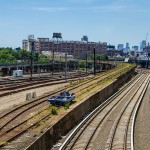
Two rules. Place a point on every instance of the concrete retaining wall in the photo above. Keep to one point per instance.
(75, 114)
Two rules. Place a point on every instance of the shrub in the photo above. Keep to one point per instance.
(66, 106)
(53, 111)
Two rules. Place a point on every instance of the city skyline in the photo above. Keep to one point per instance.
(111, 21)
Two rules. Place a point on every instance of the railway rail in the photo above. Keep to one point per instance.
(17, 84)
(12, 123)
(111, 120)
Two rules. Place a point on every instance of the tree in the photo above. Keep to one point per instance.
(7, 58)
(42, 58)
(102, 57)
(81, 65)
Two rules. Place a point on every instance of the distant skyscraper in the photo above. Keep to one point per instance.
(135, 48)
(143, 44)
(120, 47)
(127, 47)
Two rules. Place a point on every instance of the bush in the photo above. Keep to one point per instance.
(53, 111)
(67, 106)
(1, 73)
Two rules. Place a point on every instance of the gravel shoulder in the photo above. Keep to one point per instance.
(17, 98)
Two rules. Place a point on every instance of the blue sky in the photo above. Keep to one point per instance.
(111, 21)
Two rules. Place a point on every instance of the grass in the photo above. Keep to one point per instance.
(41, 123)
(4, 143)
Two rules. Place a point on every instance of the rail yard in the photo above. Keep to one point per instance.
(22, 124)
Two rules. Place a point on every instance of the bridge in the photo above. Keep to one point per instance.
(52, 66)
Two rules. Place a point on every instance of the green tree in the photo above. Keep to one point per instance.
(81, 65)
(42, 58)
(7, 58)
(102, 57)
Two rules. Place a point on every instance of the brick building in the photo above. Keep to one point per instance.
(78, 49)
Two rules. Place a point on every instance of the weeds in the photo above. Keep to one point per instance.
(70, 82)
(66, 106)
(53, 111)
(41, 123)
(4, 143)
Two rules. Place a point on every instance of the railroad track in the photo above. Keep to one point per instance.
(8, 82)
(10, 128)
(118, 110)
(18, 87)
(122, 126)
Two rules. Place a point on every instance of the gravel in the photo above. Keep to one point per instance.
(142, 125)
(17, 98)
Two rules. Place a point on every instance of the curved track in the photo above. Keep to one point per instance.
(110, 121)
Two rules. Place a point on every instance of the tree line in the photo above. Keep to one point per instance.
(8, 55)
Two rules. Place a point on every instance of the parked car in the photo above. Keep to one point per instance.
(62, 98)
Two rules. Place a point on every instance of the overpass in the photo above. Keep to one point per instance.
(52, 66)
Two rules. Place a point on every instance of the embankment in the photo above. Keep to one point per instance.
(67, 120)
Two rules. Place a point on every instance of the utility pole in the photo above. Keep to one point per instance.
(99, 63)
(86, 63)
(94, 63)
(147, 45)
(31, 64)
(66, 66)
(53, 58)
(31, 59)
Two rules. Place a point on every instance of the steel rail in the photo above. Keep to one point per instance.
(114, 127)
(51, 94)
(103, 105)
(135, 115)
(15, 116)
(16, 126)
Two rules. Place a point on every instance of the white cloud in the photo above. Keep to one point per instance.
(114, 7)
(50, 9)
(81, 1)
(106, 8)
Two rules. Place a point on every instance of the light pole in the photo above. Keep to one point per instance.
(31, 65)
(53, 59)
(66, 66)
(94, 63)
(22, 63)
(31, 58)
(86, 63)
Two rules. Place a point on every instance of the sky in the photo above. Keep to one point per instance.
(111, 21)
